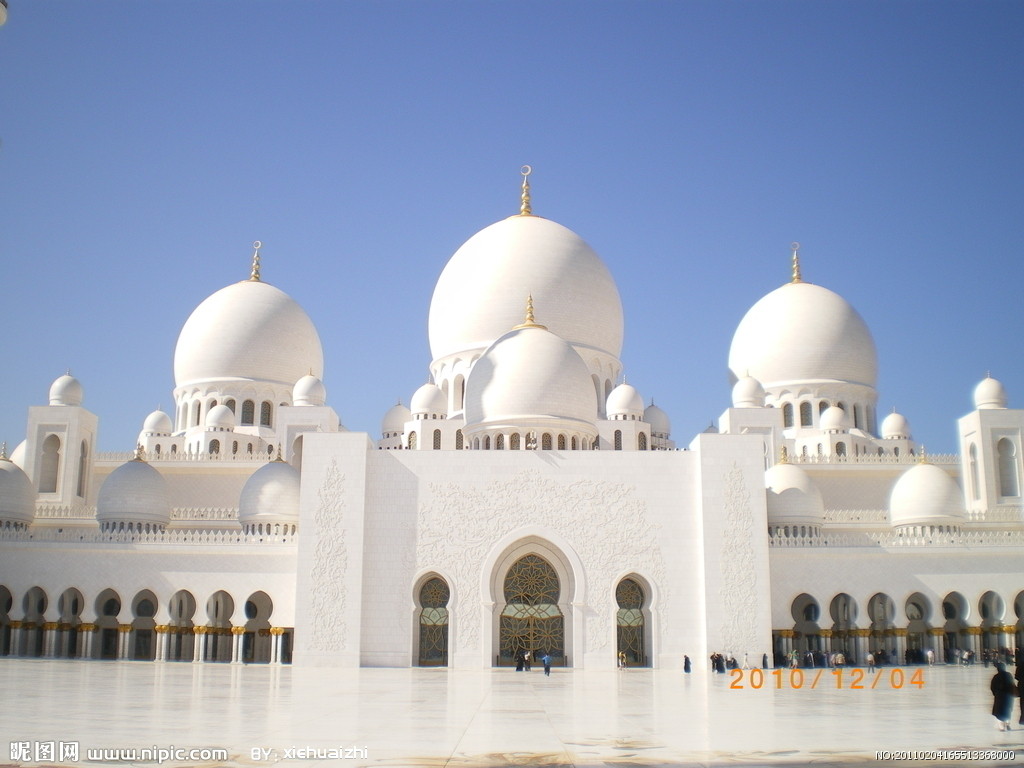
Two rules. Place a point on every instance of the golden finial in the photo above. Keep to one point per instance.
(529, 322)
(279, 457)
(796, 262)
(138, 452)
(255, 274)
(922, 457)
(524, 207)
(784, 456)
(3, 451)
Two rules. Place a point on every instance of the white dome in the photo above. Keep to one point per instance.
(250, 331)
(658, 419)
(271, 494)
(157, 423)
(926, 495)
(135, 492)
(895, 427)
(220, 417)
(834, 419)
(793, 497)
(989, 394)
(66, 390)
(530, 378)
(18, 455)
(17, 496)
(803, 332)
(428, 400)
(748, 393)
(481, 291)
(309, 390)
(624, 400)
(395, 419)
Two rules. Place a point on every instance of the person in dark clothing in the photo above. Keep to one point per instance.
(686, 664)
(1003, 693)
(1019, 677)
(546, 658)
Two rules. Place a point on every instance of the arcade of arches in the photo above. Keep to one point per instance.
(107, 627)
(531, 619)
(905, 629)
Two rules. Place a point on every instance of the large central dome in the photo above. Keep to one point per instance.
(250, 330)
(480, 293)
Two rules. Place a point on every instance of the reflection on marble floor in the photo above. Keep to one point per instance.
(469, 719)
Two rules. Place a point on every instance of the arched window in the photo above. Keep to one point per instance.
(575, 444)
(822, 406)
(230, 404)
(83, 467)
(459, 440)
(787, 415)
(412, 441)
(214, 446)
(561, 442)
(1008, 483)
(499, 443)
(437, 439)
(641, 442)
(973, 458)
(265, 410)
(460, 392)
(545, 441)
(531, 619)
(487, 442)
(805, 414)
(618, 439)
(248, 412)
(840, 449)
(195, 414)
(630, 623)
(513, 441)
(434, 597)
(49, 469)
(856, 417)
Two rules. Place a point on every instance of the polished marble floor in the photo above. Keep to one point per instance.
(469, 719)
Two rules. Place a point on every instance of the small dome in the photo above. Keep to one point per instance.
(157, 423)
(428, 400)
(793, 497)
(895, 427)
(803, 332)
(135, 492)
(833, 419)
(309, 390)
(271, 494)
(17, 496)
(926, 495)
(625, 401)
(66, 390)
(220, 417)
(531, 378)
(395, 419)
(748, 393)
(989, 394)
(659, 421)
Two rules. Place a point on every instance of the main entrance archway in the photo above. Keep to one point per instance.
(531, 619)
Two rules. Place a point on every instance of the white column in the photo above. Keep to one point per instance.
(199, 643)
(124, 633)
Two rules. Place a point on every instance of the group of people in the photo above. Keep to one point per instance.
(522, 657)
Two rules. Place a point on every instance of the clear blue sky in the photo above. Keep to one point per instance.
(145, 145)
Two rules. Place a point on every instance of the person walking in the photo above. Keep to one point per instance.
(1003, 694)
(1019, 677)
(546, 660)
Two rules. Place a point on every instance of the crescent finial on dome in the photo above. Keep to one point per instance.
(254, 275)
(922, 457)
(529, 322)
(3, 451)
(796, 262)
(524, 206)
